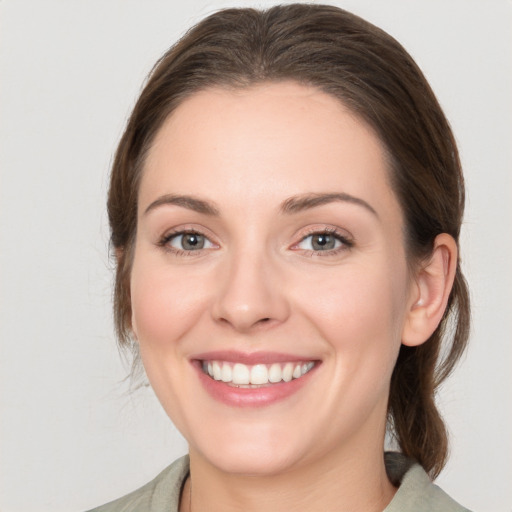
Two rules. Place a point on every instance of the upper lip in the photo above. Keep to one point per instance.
(252, 358)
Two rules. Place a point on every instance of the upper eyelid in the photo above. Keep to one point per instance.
(178, 232)
(318, 230)
(184, 229)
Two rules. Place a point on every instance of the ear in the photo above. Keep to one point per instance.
(432, 286)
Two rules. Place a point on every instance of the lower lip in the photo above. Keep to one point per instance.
(251, 397)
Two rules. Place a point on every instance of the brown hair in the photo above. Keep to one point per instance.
(369, 72)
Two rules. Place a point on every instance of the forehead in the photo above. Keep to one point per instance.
(269, 140)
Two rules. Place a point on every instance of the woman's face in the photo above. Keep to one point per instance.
(269, 285)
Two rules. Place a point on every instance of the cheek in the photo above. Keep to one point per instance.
(361, 321)
(165, 306)
(361, 312)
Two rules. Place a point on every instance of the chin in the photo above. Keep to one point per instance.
(251, 462)
(255, 453)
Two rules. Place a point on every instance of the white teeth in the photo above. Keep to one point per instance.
(226, 373)
(259, 374)
(216, 371)
(240, 374)
(275, 373)
(288, 372)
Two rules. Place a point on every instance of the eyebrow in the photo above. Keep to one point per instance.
(304, 202)
(293, 204)
(189, 202)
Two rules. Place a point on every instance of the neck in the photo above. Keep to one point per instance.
(359, 483)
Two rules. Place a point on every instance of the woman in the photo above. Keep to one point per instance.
(285, 207)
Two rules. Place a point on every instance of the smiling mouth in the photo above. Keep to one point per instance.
(258, 375)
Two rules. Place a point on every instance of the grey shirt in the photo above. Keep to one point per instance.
(416, 493)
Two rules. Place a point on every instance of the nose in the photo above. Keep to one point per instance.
(250, 294)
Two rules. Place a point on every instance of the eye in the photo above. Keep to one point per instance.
(323, 241)
(319, 242)
(187, 241)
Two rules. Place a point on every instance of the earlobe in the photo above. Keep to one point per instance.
(433, 284)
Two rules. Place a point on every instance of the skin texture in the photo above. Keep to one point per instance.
(258, 284)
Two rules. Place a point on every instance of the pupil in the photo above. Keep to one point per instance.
(192, 241)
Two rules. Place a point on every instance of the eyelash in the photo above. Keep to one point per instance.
(346, 242)
(164, 242)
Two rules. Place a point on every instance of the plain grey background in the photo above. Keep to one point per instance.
(71, 436)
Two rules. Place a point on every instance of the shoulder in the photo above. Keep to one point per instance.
(416, 492)
(161, 494)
